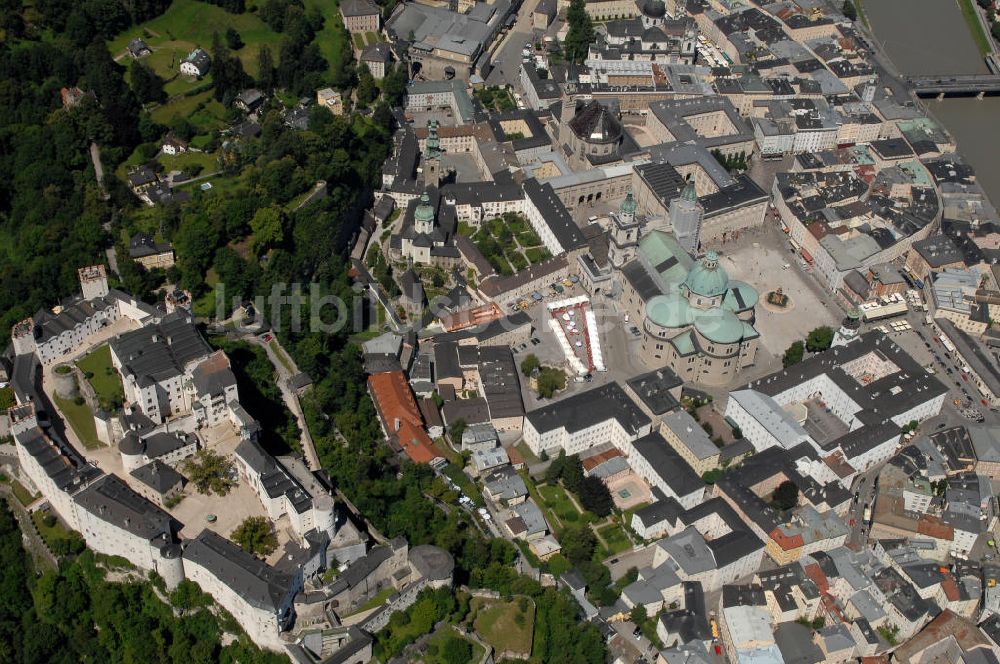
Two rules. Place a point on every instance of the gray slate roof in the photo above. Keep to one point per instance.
(259, 584)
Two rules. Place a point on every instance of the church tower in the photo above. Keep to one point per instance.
(432, 156)
(624, 233)
(849, 329)
(685, 216)
(423, 216)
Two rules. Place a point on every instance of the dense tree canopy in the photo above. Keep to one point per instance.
(786, 496)
(594, 496)
(819, 339)
(581, 31)
(255, 535)
(794, 354)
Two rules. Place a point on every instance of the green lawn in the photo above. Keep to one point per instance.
(22, 494)
(443, 635)
(190, 23)
(7, 399)
(103, 377)
(181, 107)
(210, 116)
(358, 40)
(537, 254)
(185, 160)
(556, 499)
(333, 35)
(50, 534)
(377, 600)
(204, 306)
(280, 354)
(615, 538)
(505, 626)
(81, 420)
(505, 241)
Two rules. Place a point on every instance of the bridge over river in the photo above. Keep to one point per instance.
(959, 85)
(955, 85)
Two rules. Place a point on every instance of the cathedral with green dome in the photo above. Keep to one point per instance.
(692, 316)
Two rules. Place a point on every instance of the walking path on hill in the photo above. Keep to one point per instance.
(284, 365)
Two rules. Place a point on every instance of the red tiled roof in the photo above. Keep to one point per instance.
(784, 541)
(950, 588)
(934, 527)
(816, 574)
(596, 460)
(400, 415)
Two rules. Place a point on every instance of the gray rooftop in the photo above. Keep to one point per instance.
(158, 352)
(691, 434)
(110, 499)
(256, 582)
(653, 389)
(275, 479)
(586, 409)
(158, 476)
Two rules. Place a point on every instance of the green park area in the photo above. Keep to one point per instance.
(446, 646)
(366, 39)
(510, 244)
(505, 625)
(496, 98)
(103, 377)
(558, 502)
(614, 538)
(190, 24)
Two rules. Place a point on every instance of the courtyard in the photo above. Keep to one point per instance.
(821, 424)
(628, 491)
(759, 259)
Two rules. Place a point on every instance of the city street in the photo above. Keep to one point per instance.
(507, 57)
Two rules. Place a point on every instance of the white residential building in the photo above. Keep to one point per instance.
(582, 421)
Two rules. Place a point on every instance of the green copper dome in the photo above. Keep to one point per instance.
(741, 297)
(707, 278)
(629, 205)
(424, 211)
(670, 310)
(688, 193)
(720, 326)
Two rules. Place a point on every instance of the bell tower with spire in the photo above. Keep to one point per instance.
(624, 233)
(432, 156)
(423, 216)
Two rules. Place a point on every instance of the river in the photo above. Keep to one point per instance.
(931, 37)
